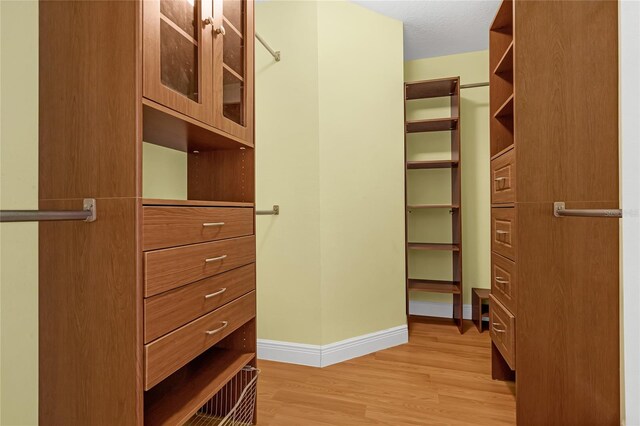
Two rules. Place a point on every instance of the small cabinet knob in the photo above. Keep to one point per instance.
(220, 30)
(208, 21)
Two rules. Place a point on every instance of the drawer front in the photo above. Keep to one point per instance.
(503, 331)
(503, 281)
(171, 268)
(168, 311)
(504, 232)
(175, 226)
(503, 178)
(169, 353)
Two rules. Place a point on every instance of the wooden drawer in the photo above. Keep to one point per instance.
(169, 353)
(171, 268)
(503, 281)
(175, 226)
(167, 311)
(503, 330)
(504, 232)
(503, 178)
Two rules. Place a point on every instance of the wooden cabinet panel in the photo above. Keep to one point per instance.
(175, 226)
(168, 311)
(503, 330)
(167, 354)
(503, 178)
(504, 232)
(170, 268)
(504, 281)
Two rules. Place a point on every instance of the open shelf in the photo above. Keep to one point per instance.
(166, 127)
(174, 400)
(431, 89)
(434, 286)
(506, 109)
(434, 246)
(431, 164)
(432, 125)
(503, 22)
(505, 65)
(509, 148)
(195, 203)
(432, 206)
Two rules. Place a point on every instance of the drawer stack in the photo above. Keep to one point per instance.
(199, 282)
(504, 244)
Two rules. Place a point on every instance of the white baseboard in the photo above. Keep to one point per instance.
(333, 353)
(436, 309)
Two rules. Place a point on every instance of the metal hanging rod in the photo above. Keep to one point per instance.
(274, 53)
(559, 210)
(472, 85)
(275, 211)
(88, 214)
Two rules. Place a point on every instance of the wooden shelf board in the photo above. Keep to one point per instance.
(432, 164)
(166, 127)
(503, 22)
(434, 286)
(434, 246)
(507, 149)
(431, 88)
(506, 109)
(177, 398)
(506, 62)
(432, 206)
(194, 203)
(432, 125)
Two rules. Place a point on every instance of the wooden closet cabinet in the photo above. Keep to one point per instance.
(554, 138)
(198, 61)
(148, 312)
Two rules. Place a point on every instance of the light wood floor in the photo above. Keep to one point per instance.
(439, 378)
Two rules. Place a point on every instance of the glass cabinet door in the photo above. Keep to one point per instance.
(177, 56)
(233, 67)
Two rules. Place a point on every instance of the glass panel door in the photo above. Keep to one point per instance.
(178, 56)
(233, 61)
(179, 53)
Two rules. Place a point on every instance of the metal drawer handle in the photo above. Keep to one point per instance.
(224, 325)
(501, 280)
(209, 296)
(500, 179)
(214, 259)
(560, 211)
(212, 224)
(502, 232)
(496, 329)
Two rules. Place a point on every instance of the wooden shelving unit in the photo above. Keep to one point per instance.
(447, 87)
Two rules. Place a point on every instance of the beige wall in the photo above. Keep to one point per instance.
(434, 185)
(19, 190)
(329, 151)
(287, 173)
(361, 171)
(164, 172)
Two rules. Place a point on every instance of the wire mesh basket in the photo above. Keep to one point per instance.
(233, 405)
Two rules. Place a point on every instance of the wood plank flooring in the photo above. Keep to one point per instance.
(439, 378)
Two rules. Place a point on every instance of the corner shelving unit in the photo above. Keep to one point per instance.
(440, 88)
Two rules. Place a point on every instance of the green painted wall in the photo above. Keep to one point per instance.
(433, 186)
(19, 190)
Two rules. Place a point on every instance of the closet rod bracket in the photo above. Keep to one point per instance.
(275, 211)
(87, 214)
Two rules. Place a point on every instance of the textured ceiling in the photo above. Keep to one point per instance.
(439, 27)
